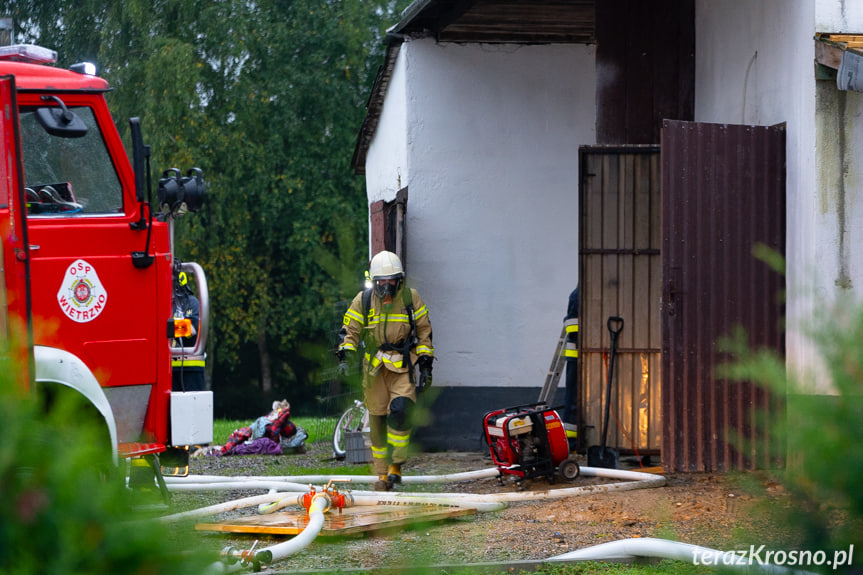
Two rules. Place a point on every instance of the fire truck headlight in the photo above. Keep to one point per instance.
(194, 189)
(178, 195)
(170, 190)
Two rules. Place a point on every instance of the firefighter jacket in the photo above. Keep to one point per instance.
(570, 323)
(186, 305)
(386, 333)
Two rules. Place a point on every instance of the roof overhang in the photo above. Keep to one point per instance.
(374, 108)
(501, 21)
(830, 47)
(480, 22)
(839, 57)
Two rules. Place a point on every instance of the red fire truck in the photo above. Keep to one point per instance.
(88, 268)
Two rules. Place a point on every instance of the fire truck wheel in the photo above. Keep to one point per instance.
(569, 468)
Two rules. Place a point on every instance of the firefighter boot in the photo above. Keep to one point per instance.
(382, 484)
(395, 474)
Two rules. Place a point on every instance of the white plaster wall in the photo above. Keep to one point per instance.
(493, 138)
(839, 169)
(838, 16)
(386, 160)
(839, 176)
(748, 60)
(755, 65)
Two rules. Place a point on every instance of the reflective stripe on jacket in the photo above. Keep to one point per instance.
(570, 350)
(189, 361)
(382, 327)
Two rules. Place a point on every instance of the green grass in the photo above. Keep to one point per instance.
(318, 428)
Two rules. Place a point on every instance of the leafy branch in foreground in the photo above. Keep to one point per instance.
(66, 508)
(821, 433)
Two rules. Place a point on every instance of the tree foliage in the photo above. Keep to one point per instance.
(267, 98)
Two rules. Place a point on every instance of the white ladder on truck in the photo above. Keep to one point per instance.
(563, 350)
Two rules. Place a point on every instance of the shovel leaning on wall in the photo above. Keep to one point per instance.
(600, 455)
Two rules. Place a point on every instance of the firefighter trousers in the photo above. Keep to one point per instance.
(390, 398)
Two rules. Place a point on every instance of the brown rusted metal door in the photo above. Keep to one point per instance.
(388, 225)
(619, 275)
(723, 193)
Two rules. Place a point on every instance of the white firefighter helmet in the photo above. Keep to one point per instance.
(386, 265)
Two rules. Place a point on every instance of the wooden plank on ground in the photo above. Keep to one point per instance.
(352, 520)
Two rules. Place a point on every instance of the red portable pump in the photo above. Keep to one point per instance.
(529, 441)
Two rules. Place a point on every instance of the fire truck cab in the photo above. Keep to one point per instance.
(88, 267)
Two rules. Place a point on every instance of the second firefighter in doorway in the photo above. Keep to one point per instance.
(390, 322)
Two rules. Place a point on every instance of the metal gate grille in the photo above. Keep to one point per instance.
(619, 275)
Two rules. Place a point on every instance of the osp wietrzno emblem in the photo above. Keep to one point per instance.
(82, 296)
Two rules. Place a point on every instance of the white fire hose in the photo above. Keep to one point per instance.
(283, 492)
(665, 549)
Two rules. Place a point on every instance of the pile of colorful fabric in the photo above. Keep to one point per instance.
(271, 434)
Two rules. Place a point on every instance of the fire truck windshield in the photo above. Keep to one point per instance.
(68, 176)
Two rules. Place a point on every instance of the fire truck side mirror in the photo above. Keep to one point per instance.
(60, 121)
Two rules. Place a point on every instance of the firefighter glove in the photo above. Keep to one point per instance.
(344, 362)
(425, 379)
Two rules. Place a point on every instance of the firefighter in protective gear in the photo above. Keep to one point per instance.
(570, 401)
(391, 323)
(188, 370)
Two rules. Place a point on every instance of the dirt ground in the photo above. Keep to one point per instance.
(713, 510)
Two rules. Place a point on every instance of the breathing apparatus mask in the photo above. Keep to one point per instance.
(387, 287)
